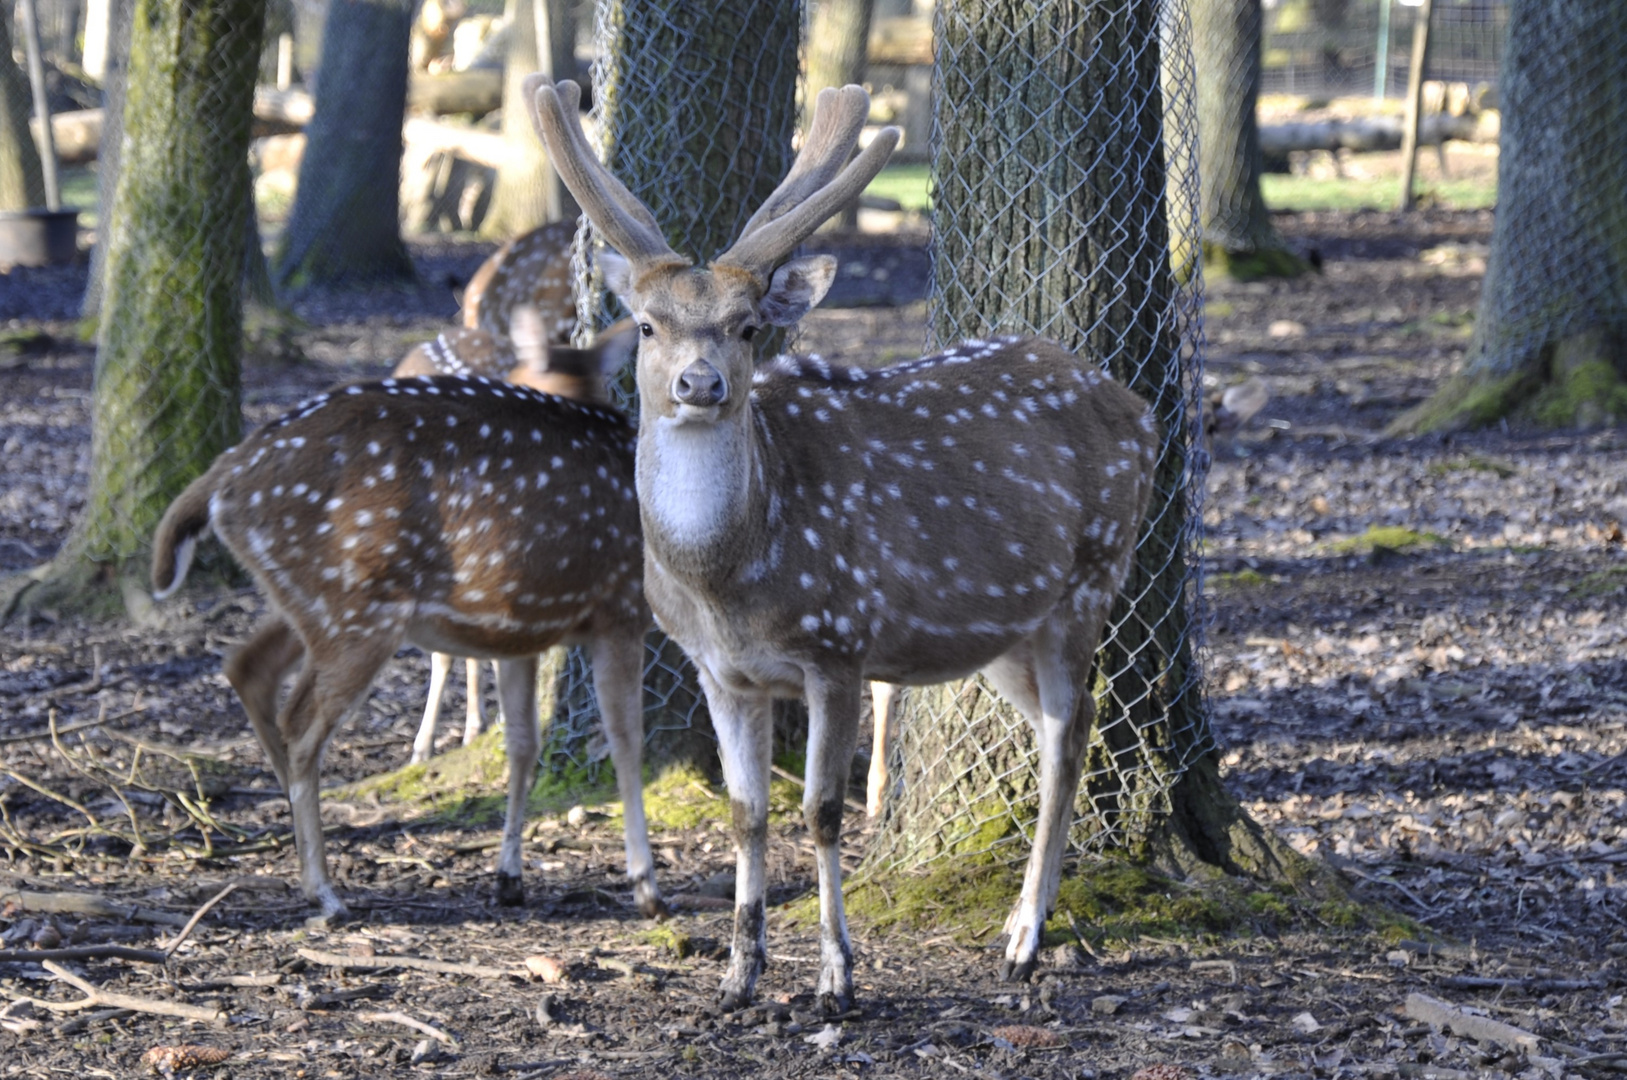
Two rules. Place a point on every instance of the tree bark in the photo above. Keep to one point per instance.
(109, 151)
(1238, 237)
(528, 193)
(167, 390)
(838, 45)
(21, 183)
(1065, 119)
(1550, 340)
(345, 226)
(699, 102)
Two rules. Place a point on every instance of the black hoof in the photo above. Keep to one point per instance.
(1011, 971)
(732, 1000)
(510, 890)
(831, 1004)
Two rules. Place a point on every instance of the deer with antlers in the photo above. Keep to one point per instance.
(808, 526)
(525, 358)
(461, 515)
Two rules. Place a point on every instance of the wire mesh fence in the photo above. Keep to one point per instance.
(1064, 142)
(1339, 48)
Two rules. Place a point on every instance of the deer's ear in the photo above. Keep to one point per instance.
(617, 344)
(618, 273)
(797, 286)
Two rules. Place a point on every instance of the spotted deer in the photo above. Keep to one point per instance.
(524, 359)
(809, 526)
(461, 515)
(533, 271)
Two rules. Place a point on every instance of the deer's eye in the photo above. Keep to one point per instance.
(747, 333)
(646, 329)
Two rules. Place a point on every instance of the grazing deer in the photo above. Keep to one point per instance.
(525, 360)
(462, 515)
(807, 527)
(533, 270)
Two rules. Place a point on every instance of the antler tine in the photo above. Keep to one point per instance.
(838, 117)
(625, 222)
(770, 243)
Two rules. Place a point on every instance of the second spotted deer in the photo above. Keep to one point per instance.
(462, 515)
(526, 359)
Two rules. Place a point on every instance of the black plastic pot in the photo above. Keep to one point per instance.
(39, 237)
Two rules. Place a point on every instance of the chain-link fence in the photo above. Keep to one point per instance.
(1066, 206)
(1340, 48)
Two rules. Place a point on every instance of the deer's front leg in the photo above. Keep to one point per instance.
(517, 689)
(745, 738)
(618, 672)
(833, 729)
(440, 664)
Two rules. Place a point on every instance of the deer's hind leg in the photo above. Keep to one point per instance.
(423, 747)
(1045, 677)
(256, 670)
(338, 671)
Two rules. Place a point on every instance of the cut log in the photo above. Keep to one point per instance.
(474, 91)
(1369, 133)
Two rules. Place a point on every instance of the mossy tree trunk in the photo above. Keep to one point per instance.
(345, 226)
(1238, 236)
(1550, 340)
(21, 184)
(166, 396)
(838, 54)
(528, 193)
(699, 105)
(1050, 144)
(109, 150)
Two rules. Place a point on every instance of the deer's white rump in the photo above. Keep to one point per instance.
(973, 510)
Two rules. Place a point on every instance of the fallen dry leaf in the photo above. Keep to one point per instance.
(1025, 1036)
(545, 968)
(168, 1060)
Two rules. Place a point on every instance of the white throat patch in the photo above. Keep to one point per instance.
(691, 477)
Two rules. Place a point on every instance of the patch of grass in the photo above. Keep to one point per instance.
(682, 798)
(1471, 464)
(1369, 193)
(669, 939)
(905, 184)
(1607, 582)
(1389, 537)
(1237, 580)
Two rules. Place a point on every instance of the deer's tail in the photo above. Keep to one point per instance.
(185, 522)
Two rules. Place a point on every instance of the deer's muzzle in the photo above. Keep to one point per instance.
(700, 384)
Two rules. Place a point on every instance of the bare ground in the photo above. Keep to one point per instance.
(1439, 711)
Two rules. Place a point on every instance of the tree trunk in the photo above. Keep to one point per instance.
(109, 151)
(345, 226)
(21, 183)
(1065, 118)
(166, 397)
(1238, 236)
(699, 102)
(528, 193)
(1550, 340)
(838, 46)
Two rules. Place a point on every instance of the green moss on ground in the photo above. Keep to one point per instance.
(1607, 582)
(1252, 265)
(1390, 538)
(1585, 395)
(1471, 464)
(1112, 902)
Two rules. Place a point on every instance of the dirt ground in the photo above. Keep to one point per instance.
(1415, 664)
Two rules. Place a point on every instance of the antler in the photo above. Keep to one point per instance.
(625, 222)
(808, 194)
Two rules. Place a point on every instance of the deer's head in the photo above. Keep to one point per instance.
(696, 325)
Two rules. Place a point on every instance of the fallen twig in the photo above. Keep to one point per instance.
(1440, 1014)
(42, 736)
(407, 1021)
(186, 931)
(416, 963)
(1531, 985)
(106, 998)
(84, 1020)
(83, 952)
(88, 904)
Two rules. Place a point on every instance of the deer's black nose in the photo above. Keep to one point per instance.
(700, 384)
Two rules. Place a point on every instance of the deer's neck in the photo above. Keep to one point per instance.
(699, 487)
